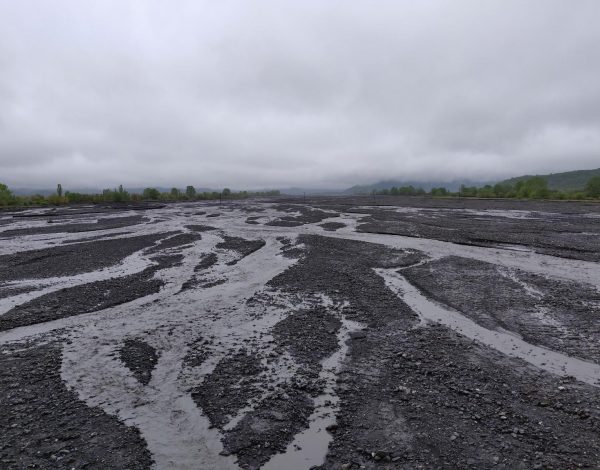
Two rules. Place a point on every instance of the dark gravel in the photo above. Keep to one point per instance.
(410, 395)
(200, 228)
(253, 220)
(557, 234)
(198, 352)
(343, 269)
(177, 241)
(10, 291)
(140, 358)
(229, 387)
(332, 226)
(269, 428)
(429, 398)
(97, 237)
(307, 216)
(560, 315)
(208, 261)
(81, 299)
(320, 325)
(72, 259)
(100, 224)
(44, 425)
(85, 298)
(241, 246)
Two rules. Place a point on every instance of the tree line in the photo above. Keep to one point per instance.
(531, 188)
(120, 195)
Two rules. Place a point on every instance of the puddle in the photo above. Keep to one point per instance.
(310, 446)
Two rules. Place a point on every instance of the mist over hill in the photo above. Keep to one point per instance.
(566, 181)
(426, 185)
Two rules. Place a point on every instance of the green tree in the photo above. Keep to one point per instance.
(486, 191)
(190, 192)
(534, 188)
(120, 195)
(6, 196)
(502, 190)
(175, 193)
(78, 198)
(151, 193)
(226, 192)
(59, 190)
(592, 187)
(439, 191)
(468, 191)
(409, 191)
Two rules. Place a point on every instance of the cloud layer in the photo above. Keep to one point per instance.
(280, 93)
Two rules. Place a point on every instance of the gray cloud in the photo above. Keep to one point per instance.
(277, 93)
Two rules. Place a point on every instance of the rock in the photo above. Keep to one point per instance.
(358, 335)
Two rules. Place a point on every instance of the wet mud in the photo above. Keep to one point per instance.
(80, 299)
(305, 215)
(176, 241)
(229, 387)
(566, 235)
(88, 297)
(100, 224)
(326, 333)
(559, 315)
(45, 425)
(241, 246)
(71, 259)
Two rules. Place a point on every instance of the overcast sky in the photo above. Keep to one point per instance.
(324, 93)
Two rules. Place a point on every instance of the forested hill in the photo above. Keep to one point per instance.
(567, 181)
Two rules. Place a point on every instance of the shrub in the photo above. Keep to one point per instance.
(592, 187)
(190, 192)
(6, 196)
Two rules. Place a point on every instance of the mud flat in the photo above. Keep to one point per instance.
(328, 333)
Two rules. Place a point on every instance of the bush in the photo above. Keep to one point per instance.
(56, 200)
(468, 191)
(487, 191)
(592, 187)
(190, 192)
(533, 188)
(439, 192)
(151, 193)
(6, 196)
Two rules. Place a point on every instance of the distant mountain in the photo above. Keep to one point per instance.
(566, 181)
(426, 185)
